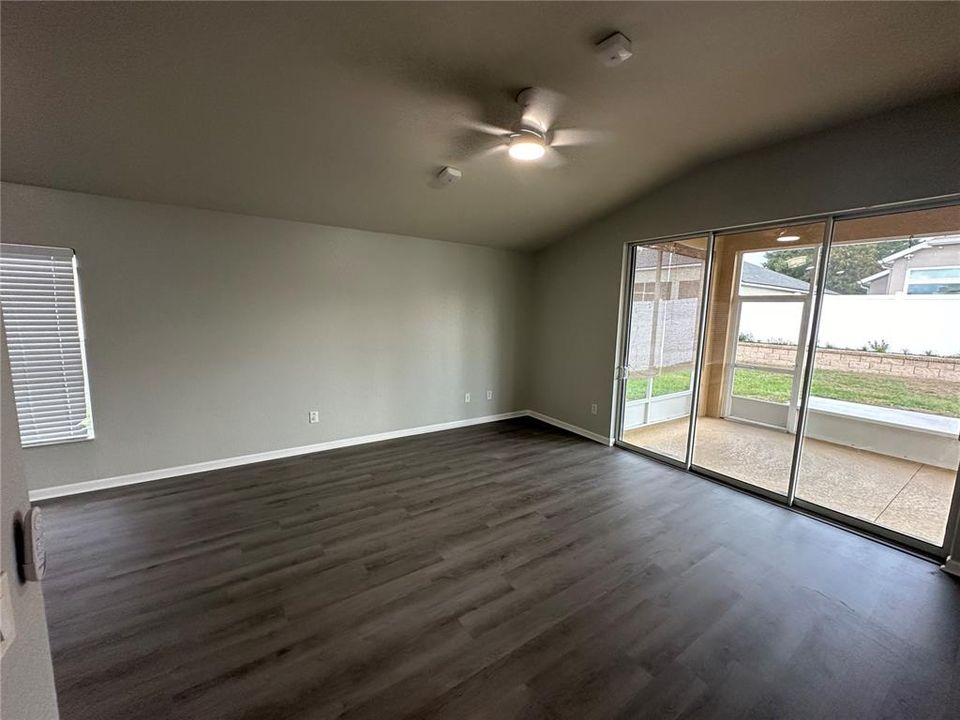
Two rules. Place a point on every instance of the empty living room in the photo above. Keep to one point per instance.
(480, 360)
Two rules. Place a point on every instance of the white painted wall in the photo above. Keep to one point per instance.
(638, 413)
(894, 440)
(211, 335)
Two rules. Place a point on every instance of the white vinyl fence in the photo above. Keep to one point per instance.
(907, 323)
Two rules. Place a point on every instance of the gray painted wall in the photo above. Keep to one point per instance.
(211, 335)
(902, 155)
(26, 673)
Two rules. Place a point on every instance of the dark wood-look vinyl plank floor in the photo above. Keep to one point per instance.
(507, 570)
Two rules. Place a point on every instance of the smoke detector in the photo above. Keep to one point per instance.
(614, 49)
(448, 175)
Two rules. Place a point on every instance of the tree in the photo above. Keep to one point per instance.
(848, 264)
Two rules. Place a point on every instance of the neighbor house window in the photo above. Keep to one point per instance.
(933, 281)
(40, 299)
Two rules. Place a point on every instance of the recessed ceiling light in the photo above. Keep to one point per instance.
(787, 238)
(527, 145)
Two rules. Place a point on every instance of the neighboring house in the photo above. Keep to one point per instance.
(682, 279)
(758, 280)
(676, 273)
(930, 268)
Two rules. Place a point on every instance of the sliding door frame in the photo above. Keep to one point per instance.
(820, 283)
(790, 500)
(623, 366)
(700, 349)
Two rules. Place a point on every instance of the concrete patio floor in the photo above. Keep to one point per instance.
(902, 495)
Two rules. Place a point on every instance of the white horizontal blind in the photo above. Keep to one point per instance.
(39, 295)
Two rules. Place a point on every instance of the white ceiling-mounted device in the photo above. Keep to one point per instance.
(448, 175)
(614, 49)
(534, 137)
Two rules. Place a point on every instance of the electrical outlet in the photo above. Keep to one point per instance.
(593, 409)
(466, 398)
(489, 394)
(314, 416)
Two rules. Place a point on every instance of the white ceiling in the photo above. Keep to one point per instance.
(339, 113)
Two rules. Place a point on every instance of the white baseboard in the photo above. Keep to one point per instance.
(952, 566)
(596, 437)
(169, 472)
(236, 461)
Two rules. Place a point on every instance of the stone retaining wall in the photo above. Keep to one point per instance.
(874, 363)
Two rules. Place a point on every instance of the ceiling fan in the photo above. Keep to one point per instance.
(534, 136)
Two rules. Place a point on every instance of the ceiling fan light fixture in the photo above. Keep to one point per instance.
(527, 145)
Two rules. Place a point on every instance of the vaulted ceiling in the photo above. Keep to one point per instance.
(340, 113)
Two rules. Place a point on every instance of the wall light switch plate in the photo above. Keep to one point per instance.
(8, 628)
(489, 394)
(466, 398)
(314, 416)
(593, 409)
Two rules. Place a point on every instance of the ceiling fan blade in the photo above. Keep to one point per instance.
(495, 149)
(540, 107)
(553, 158)
(483, 127)
(565, 137)
(469, 146)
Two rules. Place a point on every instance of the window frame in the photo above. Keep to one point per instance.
(908, 281)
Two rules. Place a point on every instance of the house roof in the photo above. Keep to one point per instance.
(875, 276)
(925, 245)
(751, 274)
(756, 275)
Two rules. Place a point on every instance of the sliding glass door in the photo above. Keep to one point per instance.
(822, 359)
(758, 321)
(662, 336)
(881, 444)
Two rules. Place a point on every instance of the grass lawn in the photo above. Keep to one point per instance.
(877, 390)
(891, 392)
(672, 381)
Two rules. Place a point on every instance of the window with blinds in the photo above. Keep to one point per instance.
(40, 300)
